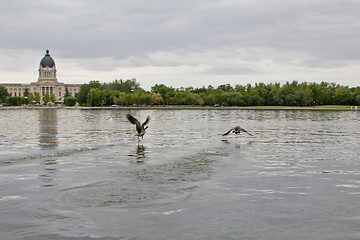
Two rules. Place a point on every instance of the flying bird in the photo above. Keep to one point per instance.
(236, 130)
(140, 128)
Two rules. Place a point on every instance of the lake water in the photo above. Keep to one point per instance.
(81, 174)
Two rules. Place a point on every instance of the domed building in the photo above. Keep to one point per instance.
(47, 61)
(47, 82)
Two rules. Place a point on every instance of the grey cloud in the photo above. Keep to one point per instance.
(125, 28)
(105, 35)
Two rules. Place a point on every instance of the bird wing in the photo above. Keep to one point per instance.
(243, 130)
(228, 132)
(146, 121)
(134, 121)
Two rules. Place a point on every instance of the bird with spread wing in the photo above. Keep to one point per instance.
(140, 128)
(236, 130)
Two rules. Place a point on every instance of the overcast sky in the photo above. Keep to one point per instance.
(182, 43)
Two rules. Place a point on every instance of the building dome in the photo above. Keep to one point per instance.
(47, 61)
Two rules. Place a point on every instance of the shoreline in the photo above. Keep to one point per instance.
(317, 108)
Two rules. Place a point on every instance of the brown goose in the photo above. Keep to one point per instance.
(236, 130)
(140, 128)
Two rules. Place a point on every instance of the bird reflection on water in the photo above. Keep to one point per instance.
(139, 153)
(237, 144)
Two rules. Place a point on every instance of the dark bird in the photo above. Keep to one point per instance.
(140, 128)
(236, 130)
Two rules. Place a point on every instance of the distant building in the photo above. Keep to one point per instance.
(47, 82)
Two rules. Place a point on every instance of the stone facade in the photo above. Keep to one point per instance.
(47, 82)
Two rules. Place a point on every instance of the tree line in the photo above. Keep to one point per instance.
(129, 93)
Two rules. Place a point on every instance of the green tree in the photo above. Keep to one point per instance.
(127, 86)
(165, 92)
(200, 90)
(307, 96)
(30, 97)
(111, 95)
(70, 101)
(13, 101)
(290, 94)
(120, 99)
(16, 101)
(328, 96)
(232, 99)
(357, 99)
(178, 98)
(317, 93)
(157, 98)
(52, 98)
(240, 88)
(96, 84)
(82, 95)
(37, 97)
(226, 87)
(277, 99)
(291, 99)
(194, 99)
(128, 99)
(342, 95)
(209, 99)
(135, 98)
(97, 97)
(46, 98)
(67, 94)
(3, 94)
(146, 99)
